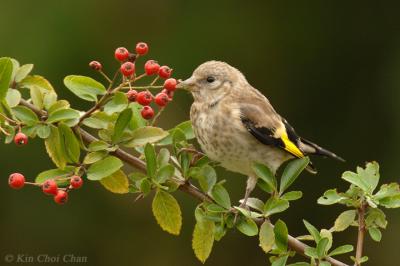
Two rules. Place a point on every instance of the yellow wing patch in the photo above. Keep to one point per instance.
(290, 146)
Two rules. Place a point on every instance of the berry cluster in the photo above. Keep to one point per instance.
(49, 187)
(151, 67)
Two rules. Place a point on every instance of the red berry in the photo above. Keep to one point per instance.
(161, 99)
(131, 94)
(20, 139)
(169, 93)
(16, 181)
(144, 98)
(165, 72)
(147, 112)
(127, 69)
(95, 65)
(61, 197)
(50, 187)
(76, 181)
(170, 84)
(142, 48)
(121, 54)
(151, 67)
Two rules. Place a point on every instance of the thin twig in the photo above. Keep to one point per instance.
(105, 76)
(184, 186)
(361, 233)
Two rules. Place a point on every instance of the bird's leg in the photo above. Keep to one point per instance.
(251, 184)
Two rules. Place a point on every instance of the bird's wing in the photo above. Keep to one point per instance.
(262, 121)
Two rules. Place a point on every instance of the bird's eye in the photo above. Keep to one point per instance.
(210, 79)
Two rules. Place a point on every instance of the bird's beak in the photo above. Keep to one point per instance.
(186, 84)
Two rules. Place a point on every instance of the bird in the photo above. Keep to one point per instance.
(236, 125)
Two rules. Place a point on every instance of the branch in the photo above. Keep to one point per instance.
(361, 233)
(184, 186)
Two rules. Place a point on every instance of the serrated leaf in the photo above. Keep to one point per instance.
(292, 171)
(221, 196)
(313, 231)
(22, 72)
(275, 205)
(266, 236)
(263, 172)
(341, 250)
(151, 160)
(13, 97)
(203, 239)
(62, 115)
(54, 174)
(122, 122)
(116, 182)
(144, 135)
(292, 195)
(54, 149)
(104, 168)
(70, 142)
(375, 234)
(281, 235)
(25, 115)
(344, 220)
(6, 70)
(85, 88)
(117, 103)
(247, 226)
(167, 212)
(330, 197)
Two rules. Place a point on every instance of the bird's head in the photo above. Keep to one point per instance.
(212, 80)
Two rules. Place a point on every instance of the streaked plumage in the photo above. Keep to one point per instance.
(236, 125)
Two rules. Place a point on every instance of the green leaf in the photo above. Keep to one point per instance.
(98, 145)
(6, 69)
(116, 182)
(344, 220)
(375, 217)
(370, 175)
(247, 226)
(70, 142)
(266, 237)
(341, 250)
(122, 122)
(324, 233)
(292, 195)
(184, 127)
(13, 97)
(356, 180)
(203, 239)
(165, 173)
(281, 235)
(299, 264)
(58, 105)
(62, 115)
(151, 160)
(54, 149)
(330, 197)
(95, 156)
(375, 234)
(312, 230)
(292, 171)
(84, 87)
(247, 213)
(275, 205)
(167, 212)
(321, 247)
(25, 115)
(281, 261)
(43, 131)
(98, 120)
(104, 168)
(37, 97)
(144, 135)
(324, 263)
(311, 252)
(388, 195)
(22, 72)
(163, 157)
(137, 120)
(54, 174)
(207, 178)
(221, 196)
(38, 81)
(117, 104)
(263, 172)
(255, 203)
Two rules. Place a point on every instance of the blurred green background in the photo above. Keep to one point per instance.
(332, 68)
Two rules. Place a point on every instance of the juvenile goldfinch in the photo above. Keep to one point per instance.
(236, 125)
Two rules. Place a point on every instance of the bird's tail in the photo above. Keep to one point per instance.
(317, 150)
